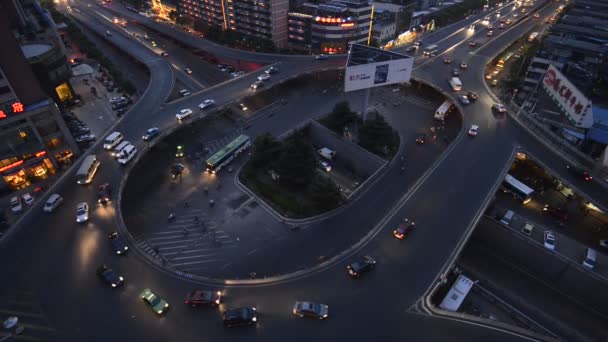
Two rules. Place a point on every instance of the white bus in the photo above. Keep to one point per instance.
(87, 170)
(455, 83)
(445, 108)
(431, 50)
(518, 189)
(457, 294)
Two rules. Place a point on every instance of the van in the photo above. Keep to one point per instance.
(112, 140)
(52, 203)
(87, 169)
(127, 154)
(506, 220)
(590, 258)
(119, 148)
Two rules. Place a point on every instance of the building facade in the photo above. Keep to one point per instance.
(383, 31)
(329, 27)
(264, 19)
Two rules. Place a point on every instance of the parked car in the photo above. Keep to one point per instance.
(184, 93)
(527, 228)
(16, 206)
(549, 240)
(27, 198)
(325, 166)
(164, 54)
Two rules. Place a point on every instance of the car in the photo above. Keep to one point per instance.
(508, 21)
(109, 276)
(237, 74)
(363, 265)
(176, 170)
(501, 26)
(183, 114)
(549, 240)
(325, 166)
(421, 139)
(579, 172)
(499, 108)
(473, 130)
(27, 198)
(310, 309)
(150, 133)
(117, 99)
(490, 27)
(188, 71)
(221, 66)
(82, 212)
(264, 77)
(85, 138)
(104, 191)
(536, 16)
(603, 243)
(472, 44)
(153, 43)
(240, 316)
(179, 151)
(494, 82)
(321, 57)
(464, 99)
(257, 85)
(146, 37)
(154, 302)
(108, 34)
(489, 76)
(118, 243)
(490, 33)
(184, 93)
(463, 65)
(472, 96)
(404, 229)
(495, 72)
(410, 48)
(271, 70)
(455, 72)
(242, 107)
(52, 203)
(202, 297)
(206, 103)
(527, 228)
(557, 212)
(164, 54)
(16, 206)
(119, 105)
(447, 61)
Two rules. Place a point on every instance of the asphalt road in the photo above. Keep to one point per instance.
(56, 258)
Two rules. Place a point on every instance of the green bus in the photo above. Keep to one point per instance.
(227, 153)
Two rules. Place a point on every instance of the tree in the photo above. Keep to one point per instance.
(342, 116)
(377, 136)
(265, 151)
(297, 162)
(324, 193)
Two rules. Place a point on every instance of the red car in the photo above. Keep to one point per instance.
(202, 297)
(103, 193)
(403, 230)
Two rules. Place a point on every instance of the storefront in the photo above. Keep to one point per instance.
(23, 173)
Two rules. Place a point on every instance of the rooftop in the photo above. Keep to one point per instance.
(34, 50)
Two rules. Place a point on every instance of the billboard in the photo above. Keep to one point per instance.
(378, 74)
(576, 106)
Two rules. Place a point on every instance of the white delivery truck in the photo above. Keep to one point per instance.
(327, 153)
(456, 83)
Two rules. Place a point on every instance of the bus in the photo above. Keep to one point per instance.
(227, 153)
(87, 170)
(532, 37)
(431, 50)
(517, 188)
(458, 292)
(443, 110)
(504, 59)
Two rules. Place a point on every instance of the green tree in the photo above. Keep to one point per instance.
(341, 116)
(324, 193)
(265, 151)
(297, 162)
(377, 136)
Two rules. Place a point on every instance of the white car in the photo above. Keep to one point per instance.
(464, 100)
(184, 93)
(473, 130)
(82, 212)
(206, 103)
(263, 77)
(243, 107)
(16, 206)
(188, 71)
(499, 107)
(27, 198)
(325, 166)
(549, 240)
(117, 99)
(52, 203)
(183, 114)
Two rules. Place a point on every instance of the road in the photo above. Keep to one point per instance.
(54, 257)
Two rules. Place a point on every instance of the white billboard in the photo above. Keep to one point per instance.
(576, 106)
(378, 74)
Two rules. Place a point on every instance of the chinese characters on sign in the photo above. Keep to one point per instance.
(569, 98)
(17, 107)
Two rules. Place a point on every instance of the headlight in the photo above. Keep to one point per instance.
(166, 305)
(113, 285)
(126, 247)
(219, 293)
(159, 312)
(217, 301)
(254, 319)
(117, 252)
(121, 278)
(254, 309)
(325, 316)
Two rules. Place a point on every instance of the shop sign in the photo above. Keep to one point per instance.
(568, 97)
(15, 108)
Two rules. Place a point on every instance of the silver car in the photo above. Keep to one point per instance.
(309, 309)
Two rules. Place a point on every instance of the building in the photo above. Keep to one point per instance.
(34, 139)
(383, 31)
(329, 27)
(263, 19)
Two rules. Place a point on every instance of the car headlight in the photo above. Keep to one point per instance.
(159, 312)
(219, 293)
(126, 247)
(254, 309)
(325, 316)
(254, 319)
(121, 278)
(118, 252)
(217, 301)
(166, 305)
(113, 285)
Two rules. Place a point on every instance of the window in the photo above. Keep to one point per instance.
(4, 90)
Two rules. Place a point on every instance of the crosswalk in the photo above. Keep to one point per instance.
(25, 305)
(397, 98)
(190, 246)
(214, 145)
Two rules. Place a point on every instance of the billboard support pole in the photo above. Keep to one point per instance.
(366, 93)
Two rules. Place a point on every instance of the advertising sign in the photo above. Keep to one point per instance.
(378, 74)
(576, 106)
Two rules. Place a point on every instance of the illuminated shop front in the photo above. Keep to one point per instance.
(20, 173)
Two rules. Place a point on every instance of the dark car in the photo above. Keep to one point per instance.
(421, 139)
(109, 276)
(472, 96)
(241, 316)
(103, 193)
(176, 170)
(120, 105)
(202, 297)
(120, 112)
(151, 133)
(577, 171)
(118, 243)
(557, 212)
(403, 230)
(363, 265)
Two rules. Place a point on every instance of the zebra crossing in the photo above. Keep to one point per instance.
(214, 145)
(189, 245)
(397, 98)
(25, 305)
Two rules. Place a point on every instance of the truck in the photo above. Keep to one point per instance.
(327, 153)
(455, 83)
(459, 291)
